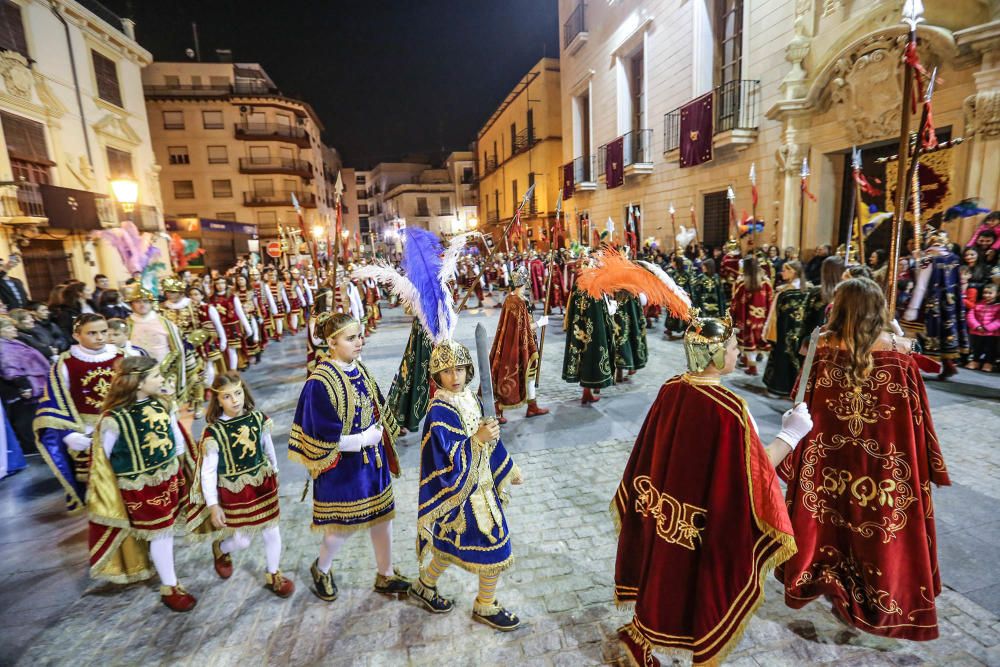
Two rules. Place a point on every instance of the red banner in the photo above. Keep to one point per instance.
(697, 131)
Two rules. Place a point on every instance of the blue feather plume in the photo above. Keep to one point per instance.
(422, 264)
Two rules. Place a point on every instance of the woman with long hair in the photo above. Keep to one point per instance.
(859, 493)
(137, 487)
(72, 302)
(751, 298)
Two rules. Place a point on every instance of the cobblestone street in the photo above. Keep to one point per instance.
(564, 545)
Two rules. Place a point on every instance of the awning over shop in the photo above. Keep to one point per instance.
(223, 241)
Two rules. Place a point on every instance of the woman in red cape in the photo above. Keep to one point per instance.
(859, 487)
(699, 510)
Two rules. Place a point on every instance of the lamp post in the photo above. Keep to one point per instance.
(126, 192)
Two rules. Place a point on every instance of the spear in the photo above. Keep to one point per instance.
(803, 175)
(673, 224)
(912, 15)
(548, 298)
(489, 256)
(731, 196)
(859, 203)
(339, 191)
(753, 204)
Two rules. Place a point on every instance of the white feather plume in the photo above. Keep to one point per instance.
(684, 237)
(449, 261)
(666, 280)
(397, 283)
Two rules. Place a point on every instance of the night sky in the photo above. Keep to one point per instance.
(387, 77)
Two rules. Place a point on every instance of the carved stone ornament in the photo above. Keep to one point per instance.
(16, 74)
(866, 88)
(982, 114)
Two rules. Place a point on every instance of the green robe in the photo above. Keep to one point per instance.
(588, 358)
(630, 335)
(410, 391)
(708, 295)
(795, 310)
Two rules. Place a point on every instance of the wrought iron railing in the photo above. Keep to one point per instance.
(637, 147)
(25, 200)
(523, 140)
(104, 14)
(575, 24)
(491, 165)
(734, 105)
(283, 165)
(145, 217)
(492, 217)
(270, 130)
(584, 169)
(279, 198)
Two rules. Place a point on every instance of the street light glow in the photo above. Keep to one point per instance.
(126, 191)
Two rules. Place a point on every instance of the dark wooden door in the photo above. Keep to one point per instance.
(46, 264)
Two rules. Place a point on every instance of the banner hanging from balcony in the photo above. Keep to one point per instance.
(697, 131)
(67, 208)
(614, 163)
(568, 182)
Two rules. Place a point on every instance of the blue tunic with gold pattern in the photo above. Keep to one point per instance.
(462, 488)
(351, 490)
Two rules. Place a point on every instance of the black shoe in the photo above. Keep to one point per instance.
(323, 585)
(430, 599)
(495, 616)
(397, 585)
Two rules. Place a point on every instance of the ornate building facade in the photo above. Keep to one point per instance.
(780, 81)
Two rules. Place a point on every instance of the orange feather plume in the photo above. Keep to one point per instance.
(614, 273)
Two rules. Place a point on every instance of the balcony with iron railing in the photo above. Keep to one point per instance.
(575, 33)
(735, 117)
(279, 198)
(637, 153)
(423, 212)
(21, 201)
(584, 175)
(272, 132)
(492, 217)
(490, 165)
(523, 140)
(279, 165)
(145, 217)
(105, 14)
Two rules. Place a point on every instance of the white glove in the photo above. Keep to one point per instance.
(612, 306)
(795, 425)
(373, 435)
(352, 443)
(542, 321)
(896, 329)
(78, 442)
(643, 299)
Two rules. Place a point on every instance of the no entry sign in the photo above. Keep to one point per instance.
(274, 249)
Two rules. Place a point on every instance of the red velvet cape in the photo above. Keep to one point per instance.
(859, 497)
(701, 522)
(514, 355)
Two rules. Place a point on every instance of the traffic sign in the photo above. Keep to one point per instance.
(274, 249)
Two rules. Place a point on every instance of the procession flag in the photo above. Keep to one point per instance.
(697, 131)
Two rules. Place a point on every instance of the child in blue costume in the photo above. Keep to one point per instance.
(343, 435)
(464, 473)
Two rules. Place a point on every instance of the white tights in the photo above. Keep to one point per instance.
(293, 322)
(272, 545)
(232, 358)
(381, 535)
(531, 388)
(161, 551)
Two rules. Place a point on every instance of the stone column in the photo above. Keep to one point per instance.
(982, 122)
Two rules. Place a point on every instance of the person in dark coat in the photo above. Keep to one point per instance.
(12, 291)
(46, 329)
(27, 334)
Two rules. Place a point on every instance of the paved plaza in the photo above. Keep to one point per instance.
(564, 545)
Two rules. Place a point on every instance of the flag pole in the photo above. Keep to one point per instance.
(673, 224)
(855, 204)
(802, 205)
(912, 11)
(338, 192)
(753, 205)
(548, 299)
(510, 223)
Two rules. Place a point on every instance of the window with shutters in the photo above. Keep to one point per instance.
(171, 80)
(183, 190)
(445, 206)
(173, 120)
(212, 120)
(267, 218)
(12, 29)
(119, 164)
(106, 73)
(228, 216)
(178, 155)
(222, 189)
(218, 155)
(263, 187)
(716, 219)
(25, 139)
(260, 155)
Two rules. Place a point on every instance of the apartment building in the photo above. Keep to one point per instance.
(73, 120)
(234, 148)
(519, 146)
(772, 83)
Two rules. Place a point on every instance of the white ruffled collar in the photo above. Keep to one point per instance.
(183, 303)
(344, 366)
(83, 354)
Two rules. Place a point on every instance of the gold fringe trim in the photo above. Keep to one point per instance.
(245, 480)
(150, 479)
(341, 529)
(487, 569)
(227, 532)
(616, 517)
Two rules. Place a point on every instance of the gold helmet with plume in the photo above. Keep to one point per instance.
(705, 342)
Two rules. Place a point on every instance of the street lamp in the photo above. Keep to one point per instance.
(317, 231)
(126, 192)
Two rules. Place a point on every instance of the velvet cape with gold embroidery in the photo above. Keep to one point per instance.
(451, 471)
(859, 498)
(514, 355)
(701, 522)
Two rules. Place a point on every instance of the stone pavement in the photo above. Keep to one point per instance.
(564, 544)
